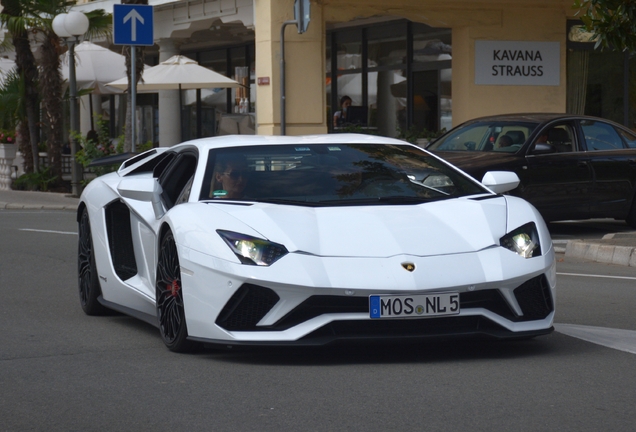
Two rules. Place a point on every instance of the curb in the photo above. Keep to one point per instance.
(12, 206)
(602, 252)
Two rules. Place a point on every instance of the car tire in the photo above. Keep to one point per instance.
(169, 298)
(88, 279)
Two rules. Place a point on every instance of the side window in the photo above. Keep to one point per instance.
(629, 138)
(556, 139)
(600, 136)
(177, 179)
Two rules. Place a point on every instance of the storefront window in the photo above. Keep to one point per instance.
(374, 66)
(349, 49)
(209, 112)
(212, 98)
(387, 45)
(599, 82)
(387, 102)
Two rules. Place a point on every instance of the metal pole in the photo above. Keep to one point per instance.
(282, 75)
(133, 95)
(76, 169)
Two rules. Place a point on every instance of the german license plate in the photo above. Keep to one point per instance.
(421, 305)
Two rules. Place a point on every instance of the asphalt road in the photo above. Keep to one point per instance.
(63, 370)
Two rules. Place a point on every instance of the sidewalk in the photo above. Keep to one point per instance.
(619, 249)
(28, 200)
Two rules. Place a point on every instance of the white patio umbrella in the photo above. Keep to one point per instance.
(177, 73)
(95, 67)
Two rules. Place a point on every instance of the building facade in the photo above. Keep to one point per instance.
(405, 65)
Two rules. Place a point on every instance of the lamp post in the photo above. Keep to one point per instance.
(70, 26)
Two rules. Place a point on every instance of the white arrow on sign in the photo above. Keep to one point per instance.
(133, 16)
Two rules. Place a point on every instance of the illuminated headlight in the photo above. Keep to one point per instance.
(251, 250)
(523, 241)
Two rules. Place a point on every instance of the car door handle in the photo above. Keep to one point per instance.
(582, 164)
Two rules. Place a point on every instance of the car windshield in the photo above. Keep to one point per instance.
(498, 136)
(332, 174)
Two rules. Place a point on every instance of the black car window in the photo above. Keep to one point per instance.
(176, 178)
(332, 174)
(555, 139)
(629, 138)
(500, 136)
(600, 136)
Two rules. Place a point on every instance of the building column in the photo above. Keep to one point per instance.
(306, 108)
(169, 109)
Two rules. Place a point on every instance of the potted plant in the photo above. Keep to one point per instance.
(8, 146)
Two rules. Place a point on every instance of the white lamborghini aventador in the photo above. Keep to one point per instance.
(308, 240)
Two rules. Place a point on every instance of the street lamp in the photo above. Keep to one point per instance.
(70, 26)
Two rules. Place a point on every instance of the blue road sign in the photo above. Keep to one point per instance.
(133, 24)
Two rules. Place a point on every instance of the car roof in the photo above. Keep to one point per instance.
(257, 140)
(534, 117)
(134, 164)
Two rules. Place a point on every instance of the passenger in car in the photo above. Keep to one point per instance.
(230, 178)
(505, 141)
(543, 138)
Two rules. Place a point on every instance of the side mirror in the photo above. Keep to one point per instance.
(542, 148)
(143, 189)
(500, 181)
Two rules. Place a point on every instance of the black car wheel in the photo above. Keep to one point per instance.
(169, 295)
(88, 280)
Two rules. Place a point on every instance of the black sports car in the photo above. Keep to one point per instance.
(570, 167)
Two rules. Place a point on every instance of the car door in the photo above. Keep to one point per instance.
(557, 177)
(614, 168)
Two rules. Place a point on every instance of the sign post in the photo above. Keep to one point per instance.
(133, 25)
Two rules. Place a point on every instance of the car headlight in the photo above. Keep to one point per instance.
(524, 241)
(251, 250)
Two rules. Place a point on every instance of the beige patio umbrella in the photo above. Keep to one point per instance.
(177, 73)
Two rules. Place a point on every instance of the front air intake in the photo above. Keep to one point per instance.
(534, 298)
(248, 305)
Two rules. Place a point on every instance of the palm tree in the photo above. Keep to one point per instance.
(41, 14)
(139, 68)
(12, 101)
(13, 18)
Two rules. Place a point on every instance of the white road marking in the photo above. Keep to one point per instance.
(622, 340)
(48, 231)
(597, 276)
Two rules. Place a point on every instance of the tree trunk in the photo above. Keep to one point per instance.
(51, 91)
(26, 66)
(25, 146)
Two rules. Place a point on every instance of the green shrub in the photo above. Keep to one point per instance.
(414, 133)
(35, 181)
(99, 147)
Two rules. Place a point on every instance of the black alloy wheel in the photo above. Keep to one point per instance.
(88, 279)
(169, 295)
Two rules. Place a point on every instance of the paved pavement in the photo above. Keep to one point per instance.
(28, 200)
(619, 248)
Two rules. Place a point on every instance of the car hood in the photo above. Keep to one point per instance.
(437, 228)
(478, 163)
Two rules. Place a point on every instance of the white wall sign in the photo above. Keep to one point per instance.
(517, 63)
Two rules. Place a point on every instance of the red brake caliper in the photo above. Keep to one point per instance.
(173, 288)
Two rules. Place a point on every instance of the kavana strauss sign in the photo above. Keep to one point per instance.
(517, 63)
